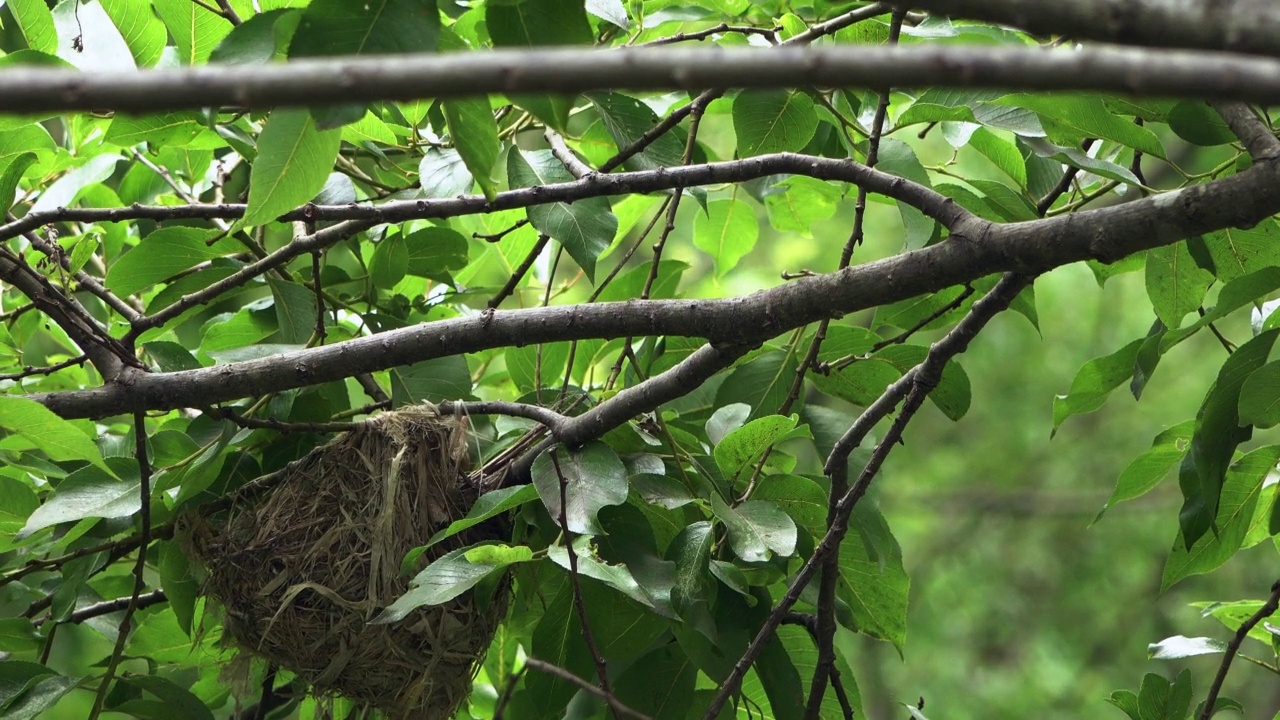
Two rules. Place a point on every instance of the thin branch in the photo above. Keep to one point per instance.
(1064, 184)
(1233, 647)
(1145, 72)
(106, 607)
(602, 670)
(269, 424)
(724, 27)
(30, 370)
(139, 568)
(559, 672)
(521, 270)
(824, 667)
(914, 386)
(565, 155)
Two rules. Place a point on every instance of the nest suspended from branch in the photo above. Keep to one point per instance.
(301, 568)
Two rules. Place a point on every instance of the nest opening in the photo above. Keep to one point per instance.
(301, 567)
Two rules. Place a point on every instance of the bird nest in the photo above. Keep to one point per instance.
(302, 567)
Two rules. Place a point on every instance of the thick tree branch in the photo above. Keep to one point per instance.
(1256, 136)
(1237, 25)
(1147, 72)
(976, 249)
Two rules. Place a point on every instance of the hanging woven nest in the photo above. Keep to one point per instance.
(301, 567)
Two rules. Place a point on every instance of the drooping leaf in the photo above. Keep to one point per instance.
(544, 23)
(594, 478)
(872, 579)
(195, 28)
(443, 173)
(898, 158)
(1239, 496)
(1218, 433)
(159, 256)
(180, 586)
(175, 698)
(627, 120)
(1175, 283)
(475, 135)
(660, 684)
(1145, 471)
(585, 228)
(762, 383)
(726, 232)
(454, 573)
(799, 497)
(294, 160)
(1234, 295)
(1094, 382)
(383, 27)
(1087, 116)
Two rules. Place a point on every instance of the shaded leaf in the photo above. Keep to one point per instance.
(757, 528)
(595, 478)
(449, 576)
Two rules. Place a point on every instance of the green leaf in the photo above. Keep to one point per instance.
(799, 497)
(434, 252)
(475, 135)
(585, 228)
(771, 121)
(177, 700)
(294, 160)
(627, 120)
(594, 478)
(487, 506)
(295, 308)
(1218, 433)
(89, 493)
(36, 23)
(743, 446)
(159, 256)
(390, 262)
(1149, 468)
(952, 395)
(443, 173)
(179, 585)
(1175, 283)
(259, 40)
(1241, 490)
(1073, 157)
(446, 378)
(1236, 294)
(1087, 116)
(9, 179)
(380, 27)
(898, 158)
(1003, 153)
(1260, 397)
(872, 579)
(542, 23)
(170, 356)
(175, 128)
(142, 31)
(1197, 123)
(659, 684)
(726, 232)
(781, 680)
(196, 30)
(616, 576)
(1236, 252)
(448, 577)
(37, 696)
(611, 11)
(762, 383)
(17, 502)
(802, 202)
(691, 552)
(55, 437)
(757, 528)
(1094, 382)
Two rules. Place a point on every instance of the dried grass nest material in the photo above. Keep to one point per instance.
(302, 567)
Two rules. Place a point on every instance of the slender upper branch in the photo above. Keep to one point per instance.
(446, 75)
